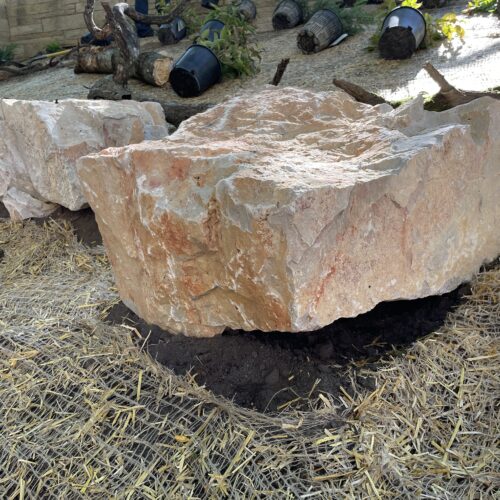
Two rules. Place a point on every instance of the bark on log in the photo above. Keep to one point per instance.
(449, 96)
(154, 68)
(96, 60)
(175, 113)
(119, 22)
(280, 70)
(359, 93)
(126, 39)
(151, 67)
(88, 16)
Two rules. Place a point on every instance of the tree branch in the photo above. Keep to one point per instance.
(88, 16)
(280, 70)
(359, 93)
(449, 96)
(127, 40)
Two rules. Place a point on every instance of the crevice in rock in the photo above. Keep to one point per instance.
(83, 222)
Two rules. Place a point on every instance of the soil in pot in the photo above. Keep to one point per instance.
(247, 9)
(171, 33)
(287, 14)
(320, 31)
(403, 30)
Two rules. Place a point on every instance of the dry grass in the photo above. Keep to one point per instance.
(85, 414)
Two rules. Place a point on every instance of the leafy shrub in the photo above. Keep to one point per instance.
(7, 53)
(189, 16)
(53, 47)
(476, 6)
(235, 49)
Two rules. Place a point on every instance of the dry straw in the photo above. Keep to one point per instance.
(85, 414)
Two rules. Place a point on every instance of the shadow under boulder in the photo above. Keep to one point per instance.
(270, 371)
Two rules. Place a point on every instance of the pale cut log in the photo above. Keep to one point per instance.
(154, 68)
(151, 67)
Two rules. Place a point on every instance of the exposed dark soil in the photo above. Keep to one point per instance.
(3, 211)
(266, 370)
(83, 222)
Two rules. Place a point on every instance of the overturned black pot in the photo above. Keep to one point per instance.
(403, 30)
(287, 14)
(195, 71)
(247, 9)
(172, 32)
(211, 30)
(320, 31)
(209, 4)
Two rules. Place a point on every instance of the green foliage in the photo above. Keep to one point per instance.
(353, 18)
(53, 47)
(442, 28)
(437, 29)
(191, 19)
(235, 49)
(7, 53)
(476, 6)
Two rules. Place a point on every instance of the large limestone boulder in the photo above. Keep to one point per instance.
(40, 142)
(289, 209)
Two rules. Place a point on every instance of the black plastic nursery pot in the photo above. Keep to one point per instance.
(247, 9)
(172, 32)
(196, 71)
(211, 30)
(209, 4)
(287, 14)
(322, 29)
(403, 30)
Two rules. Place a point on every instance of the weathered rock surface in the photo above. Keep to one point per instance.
(40, 142)
(289, 209)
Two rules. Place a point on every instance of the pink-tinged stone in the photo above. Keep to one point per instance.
(288, 209)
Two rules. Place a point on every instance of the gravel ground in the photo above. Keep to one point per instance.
(473, 65)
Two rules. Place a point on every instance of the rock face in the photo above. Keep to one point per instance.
(289, 209)
(40, 142)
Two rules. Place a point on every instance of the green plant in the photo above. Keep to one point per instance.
(437, 29)
(191, 19)
(353, 18)
(481, 6)
(234, 48)
(53, 47)
(442, 28)
(7, 53)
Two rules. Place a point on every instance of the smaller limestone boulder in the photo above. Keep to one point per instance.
(40, 142)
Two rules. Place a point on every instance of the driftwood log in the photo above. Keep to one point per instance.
(447, 97)
(150, 67)
(127, 61)
(359, 93)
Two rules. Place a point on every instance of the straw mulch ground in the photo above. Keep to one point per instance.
(85, 414)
